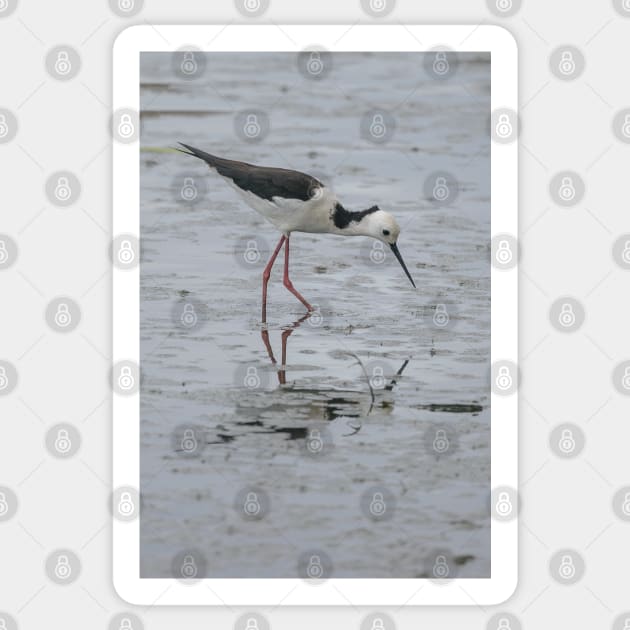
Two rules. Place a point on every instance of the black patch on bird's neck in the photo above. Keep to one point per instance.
(342, 217)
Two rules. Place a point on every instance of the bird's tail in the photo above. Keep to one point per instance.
(208, 158)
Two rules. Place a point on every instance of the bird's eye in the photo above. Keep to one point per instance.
(385, 232)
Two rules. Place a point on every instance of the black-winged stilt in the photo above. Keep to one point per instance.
(296, 202)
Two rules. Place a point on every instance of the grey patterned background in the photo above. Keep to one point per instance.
(55, 237)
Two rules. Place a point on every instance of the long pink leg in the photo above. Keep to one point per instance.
(267, 274)
(287, 283)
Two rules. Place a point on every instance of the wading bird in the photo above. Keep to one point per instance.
(296, 202)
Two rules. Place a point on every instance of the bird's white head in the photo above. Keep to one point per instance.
(382, 226)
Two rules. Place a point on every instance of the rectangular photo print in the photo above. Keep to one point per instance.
(315, 314)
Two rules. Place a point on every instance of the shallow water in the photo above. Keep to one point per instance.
(250, 419)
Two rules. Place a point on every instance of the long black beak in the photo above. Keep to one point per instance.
(402, 263)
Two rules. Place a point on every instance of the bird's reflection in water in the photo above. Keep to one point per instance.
(325, 403)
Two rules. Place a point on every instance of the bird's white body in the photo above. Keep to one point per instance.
(294, 215)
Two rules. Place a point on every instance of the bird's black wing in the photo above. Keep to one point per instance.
(265, 182)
